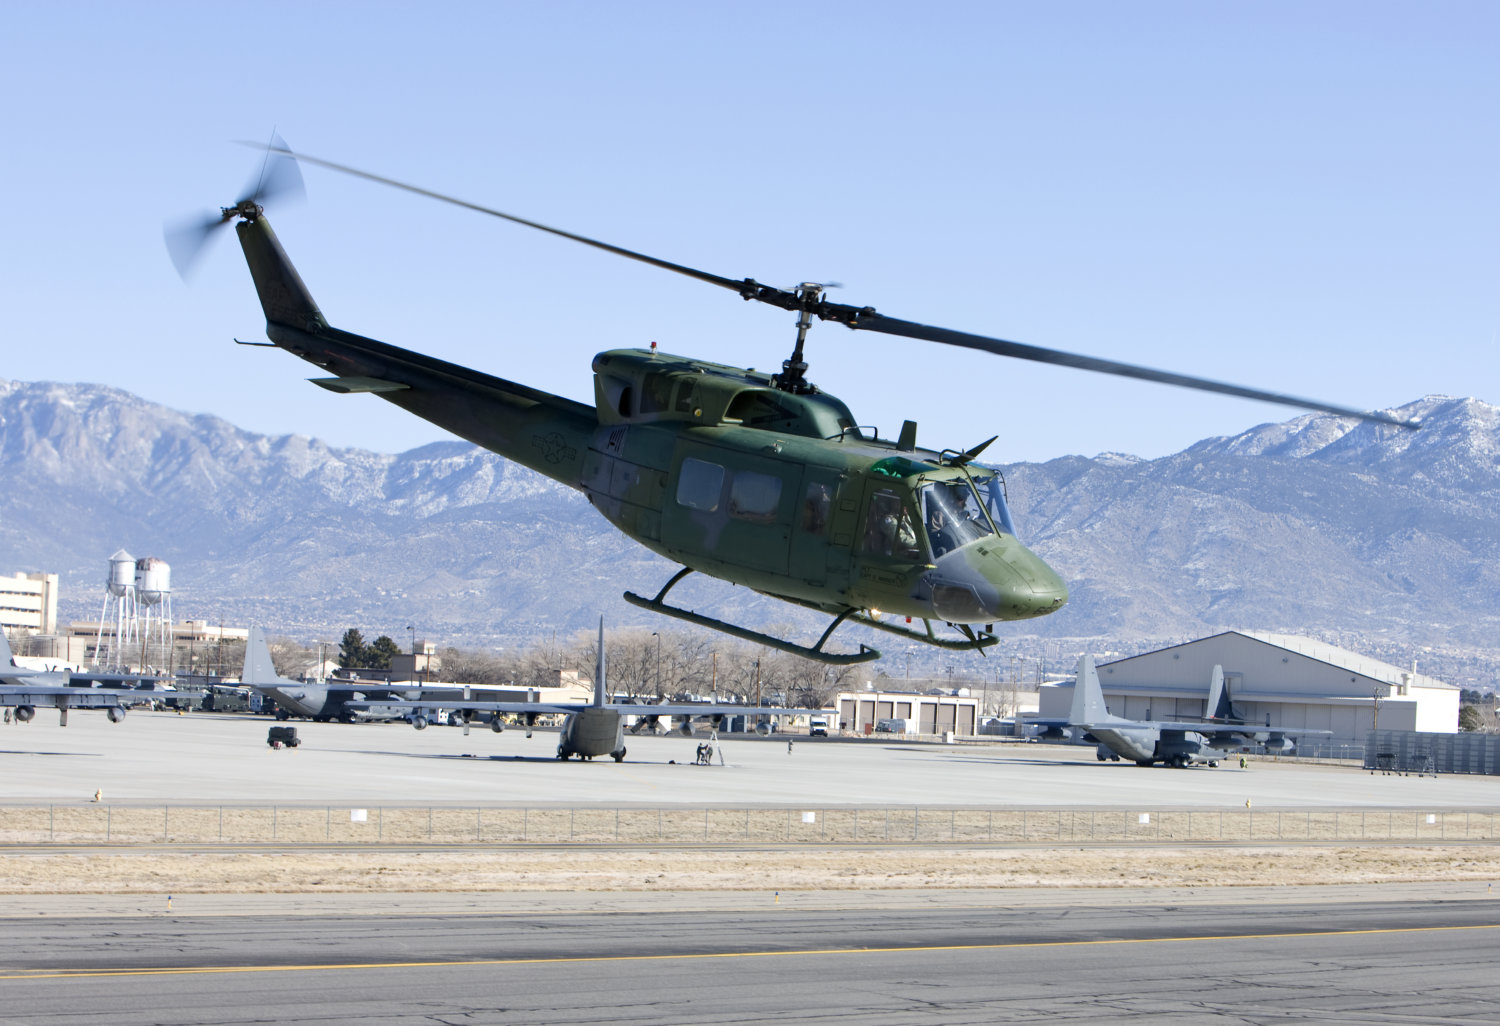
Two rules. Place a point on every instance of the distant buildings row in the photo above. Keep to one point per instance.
(1284, 680)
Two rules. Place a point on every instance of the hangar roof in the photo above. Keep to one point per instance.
(1197, 656)
(1345, 659)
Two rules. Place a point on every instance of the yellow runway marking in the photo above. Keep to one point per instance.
(80, 974)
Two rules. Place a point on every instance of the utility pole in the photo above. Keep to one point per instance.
(657, 636)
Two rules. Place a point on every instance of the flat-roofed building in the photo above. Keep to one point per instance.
(941, 712)
(28, 603)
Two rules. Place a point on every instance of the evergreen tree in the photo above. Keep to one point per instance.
(379, 655)
(352, 650)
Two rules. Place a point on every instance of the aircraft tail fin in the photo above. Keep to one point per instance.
(283, 295)
(7, 657)
(1217, 707)
(1088, 696)
(259, 669)
(599, 687)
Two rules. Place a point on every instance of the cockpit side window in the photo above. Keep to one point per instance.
(889, 530)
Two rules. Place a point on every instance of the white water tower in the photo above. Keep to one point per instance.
(118, 620)
(153, 597)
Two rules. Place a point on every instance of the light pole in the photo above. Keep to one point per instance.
(657, 636)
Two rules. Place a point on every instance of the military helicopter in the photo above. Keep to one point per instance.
(763, 480)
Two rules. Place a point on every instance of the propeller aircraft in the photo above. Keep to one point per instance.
(763, 480)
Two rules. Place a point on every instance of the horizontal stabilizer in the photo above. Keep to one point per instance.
(348, 386)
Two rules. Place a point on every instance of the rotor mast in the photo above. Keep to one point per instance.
(793, 376)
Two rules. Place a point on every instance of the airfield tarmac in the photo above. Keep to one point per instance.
(217, 759)
(664, 934)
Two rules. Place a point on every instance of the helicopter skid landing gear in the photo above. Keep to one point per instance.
(976, 642)
(656, 605)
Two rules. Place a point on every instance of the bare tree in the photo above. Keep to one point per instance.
(291, 658)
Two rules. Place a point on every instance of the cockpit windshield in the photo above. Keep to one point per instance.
(954, 513)
(991, 489)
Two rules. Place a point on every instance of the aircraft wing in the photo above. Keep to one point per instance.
(544, 708)
(624, 708)
(73, 697)
(706, 709)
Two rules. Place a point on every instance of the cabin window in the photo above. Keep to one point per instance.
(889, 530)
(700, 485)
(754, 496)
(816, 504)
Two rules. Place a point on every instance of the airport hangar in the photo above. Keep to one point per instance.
(1299, 683)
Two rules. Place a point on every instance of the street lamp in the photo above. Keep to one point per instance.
(657, 636)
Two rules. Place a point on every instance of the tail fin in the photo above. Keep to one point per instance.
(599, 691)
(7, 657)
(259, 669)
(283, 295)
(1088, 696)
(1217, 707)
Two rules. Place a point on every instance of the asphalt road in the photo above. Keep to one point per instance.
(1368, 962)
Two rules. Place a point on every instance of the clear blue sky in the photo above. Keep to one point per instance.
(1298, 196)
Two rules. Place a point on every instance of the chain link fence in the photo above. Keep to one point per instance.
(235, 825)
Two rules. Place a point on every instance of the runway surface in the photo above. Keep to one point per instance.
(1369, 962)
(162, 758)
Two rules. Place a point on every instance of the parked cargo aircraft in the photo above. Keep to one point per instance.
(25, 689)
(325, 701)
(1169, 742)
(591, 729)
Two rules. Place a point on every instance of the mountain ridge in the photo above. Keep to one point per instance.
(1315, 525)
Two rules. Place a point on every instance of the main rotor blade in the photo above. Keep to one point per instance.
(713, 279)
(869, 320)
(865, 318)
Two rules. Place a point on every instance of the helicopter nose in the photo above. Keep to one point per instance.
(996, 578)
